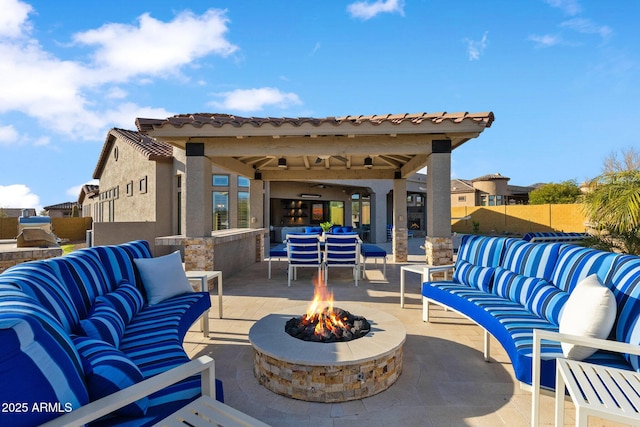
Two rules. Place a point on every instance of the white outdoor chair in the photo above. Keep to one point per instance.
(342, 250)
(303, 250)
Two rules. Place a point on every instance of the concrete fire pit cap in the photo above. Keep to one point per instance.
(268, 336)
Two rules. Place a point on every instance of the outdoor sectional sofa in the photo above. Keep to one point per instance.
(79, 327)
(510, 287)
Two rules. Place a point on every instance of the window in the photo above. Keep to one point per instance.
(130, 188)
(220, 210)
(220, 180)
(462, 198)
(243, 209)
(336, 212)
(142, 185)
(243, 181)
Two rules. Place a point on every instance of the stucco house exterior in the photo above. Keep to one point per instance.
(488, 190)
(141, 180)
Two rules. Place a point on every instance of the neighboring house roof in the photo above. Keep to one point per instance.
(490, 177)
(148, 147)
(61, 206)
(88, 190)
(461, 186)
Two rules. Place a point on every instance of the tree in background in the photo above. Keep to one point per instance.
(564, 192)
(613, 204)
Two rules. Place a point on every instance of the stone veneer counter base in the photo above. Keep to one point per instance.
(328, 372)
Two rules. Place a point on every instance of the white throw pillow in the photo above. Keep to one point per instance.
(163, 277)
(590, 311)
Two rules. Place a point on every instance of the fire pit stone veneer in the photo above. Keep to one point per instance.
(328, 372)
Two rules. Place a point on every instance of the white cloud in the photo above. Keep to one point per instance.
(13, 19)
(586, 26)
(546, 40)
(18, 196)
(475, 48)
(68, 96)
(570, 7)
(155, 47)
(255, 99)
(8, 135)
(365, 10)
(125, 114)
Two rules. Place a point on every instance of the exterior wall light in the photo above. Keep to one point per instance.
(368, 162)
(282, 162)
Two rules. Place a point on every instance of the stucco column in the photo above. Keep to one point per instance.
(256, 203)
(400, 233)
(198, 217)
(438, 244)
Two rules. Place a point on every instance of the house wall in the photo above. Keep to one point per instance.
(129, 184)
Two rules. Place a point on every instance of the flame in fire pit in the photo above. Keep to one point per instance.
(323, 322)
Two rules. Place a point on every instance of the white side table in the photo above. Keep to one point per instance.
(206, 411)
(605, 392)
(203, 277)
(425, 270)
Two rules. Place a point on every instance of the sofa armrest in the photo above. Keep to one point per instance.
(101, 407)
(539, 335)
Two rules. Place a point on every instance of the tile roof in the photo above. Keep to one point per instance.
(152, 149)
(149, 147)
(490, 177)
(218, 120)
(65, 205)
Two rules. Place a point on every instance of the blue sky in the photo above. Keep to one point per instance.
(561, 77)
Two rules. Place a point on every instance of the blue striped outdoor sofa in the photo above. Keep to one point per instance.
(78, 327)
(510, 287)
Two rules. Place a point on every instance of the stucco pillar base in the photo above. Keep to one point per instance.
(400, 245)
(438, 250)
(260, 248)
(198, 253)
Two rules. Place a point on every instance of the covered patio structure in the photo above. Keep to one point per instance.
(376, 147)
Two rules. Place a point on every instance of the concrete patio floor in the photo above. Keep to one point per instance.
(445, 381)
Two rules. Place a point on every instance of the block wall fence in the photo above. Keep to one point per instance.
(518, 219)
(73, 228)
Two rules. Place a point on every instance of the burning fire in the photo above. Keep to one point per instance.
(321, 311)
(325, 323)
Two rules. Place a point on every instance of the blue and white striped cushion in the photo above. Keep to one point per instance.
(103, 323)
(547, 301)
(531, 259)
(126, 300)
(481, 250)
(39, 363)
(137, 249)
(37, 280)
(576, 263)
(84, 276)
(473, 275)
(117, 263)
(514, 287)
(626, 289)
(108, 370)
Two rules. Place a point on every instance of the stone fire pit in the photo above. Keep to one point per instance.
(328, 372)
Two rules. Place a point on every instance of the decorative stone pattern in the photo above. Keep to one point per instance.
(401, 245)
(259, 247)
(438, 251)
(328, 372)
(338, 383)
(198, 253)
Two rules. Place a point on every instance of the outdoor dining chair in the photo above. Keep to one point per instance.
(303, 250)
(342, 250)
